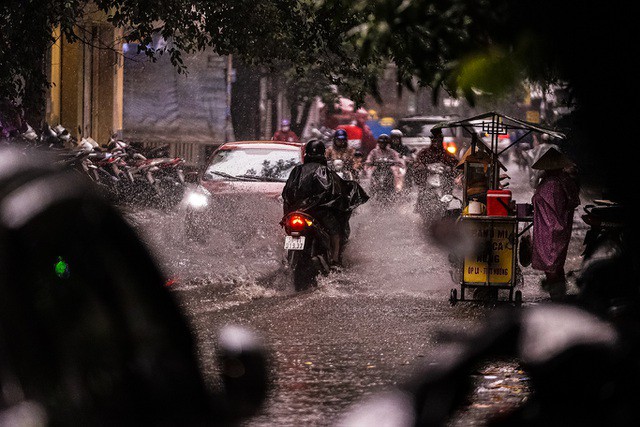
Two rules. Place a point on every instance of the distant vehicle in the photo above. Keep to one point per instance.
(238, 179)
(416, 132)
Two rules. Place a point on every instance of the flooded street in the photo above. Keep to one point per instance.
(149, 150)
(360, 331)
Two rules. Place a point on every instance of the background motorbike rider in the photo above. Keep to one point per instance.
(317, 190)
(384, 151)
(396, 143)
(341, 151)
(368, 142)
(285, 133)
(406, 153)
(434, 153)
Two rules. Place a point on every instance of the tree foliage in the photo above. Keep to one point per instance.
(486, 46)
(464, 46)
(306, 36)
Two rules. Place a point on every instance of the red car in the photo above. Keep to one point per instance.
(241, 187)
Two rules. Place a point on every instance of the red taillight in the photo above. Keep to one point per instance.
(298, 222)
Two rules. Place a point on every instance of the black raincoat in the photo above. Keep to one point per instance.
(314, 188)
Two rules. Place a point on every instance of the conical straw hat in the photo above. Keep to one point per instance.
(552, 159)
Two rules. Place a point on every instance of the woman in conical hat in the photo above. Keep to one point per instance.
(554, 201)
(552, 159)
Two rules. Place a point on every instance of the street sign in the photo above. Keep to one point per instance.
(533, 116)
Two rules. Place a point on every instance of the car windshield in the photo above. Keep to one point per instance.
(253, 163)
(417, 128)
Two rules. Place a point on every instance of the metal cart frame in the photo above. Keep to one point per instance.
(494, 124)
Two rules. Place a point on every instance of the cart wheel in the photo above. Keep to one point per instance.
(518, 298)
(453, 297)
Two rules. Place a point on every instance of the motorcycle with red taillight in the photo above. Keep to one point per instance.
(308, 248)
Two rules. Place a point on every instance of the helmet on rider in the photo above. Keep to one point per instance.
(396, 136)
(340, 138)
(384, 141)
(285, 125)
(314, 150)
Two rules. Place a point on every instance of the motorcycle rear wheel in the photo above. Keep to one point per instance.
(304, 272)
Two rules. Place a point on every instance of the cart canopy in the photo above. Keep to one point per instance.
(496, 122)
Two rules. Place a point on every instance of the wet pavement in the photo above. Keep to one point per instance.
(360, 331)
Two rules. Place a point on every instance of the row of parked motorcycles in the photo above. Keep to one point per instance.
(127, 174)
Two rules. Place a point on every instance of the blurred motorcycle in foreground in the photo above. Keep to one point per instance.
(580, 357)
(89, 332)
(582, 371)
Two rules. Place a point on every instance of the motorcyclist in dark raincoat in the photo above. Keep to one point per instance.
(317, 190)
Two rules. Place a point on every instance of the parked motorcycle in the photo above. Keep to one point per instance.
(125, 173)
(605, 259)
(308, 248)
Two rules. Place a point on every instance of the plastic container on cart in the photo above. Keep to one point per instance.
(498, 202)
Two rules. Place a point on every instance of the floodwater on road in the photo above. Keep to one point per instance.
(361, 331)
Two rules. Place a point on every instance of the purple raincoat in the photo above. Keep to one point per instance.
(554, 202)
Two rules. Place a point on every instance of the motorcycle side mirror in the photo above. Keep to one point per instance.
(243, 364)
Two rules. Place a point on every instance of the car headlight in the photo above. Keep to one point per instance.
(197, 200)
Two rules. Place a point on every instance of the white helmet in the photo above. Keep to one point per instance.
(396, 132)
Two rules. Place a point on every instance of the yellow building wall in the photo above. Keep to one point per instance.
(87, 83)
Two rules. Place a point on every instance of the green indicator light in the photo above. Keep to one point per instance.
(61, 268)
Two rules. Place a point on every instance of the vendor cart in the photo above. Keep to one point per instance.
(492, 223)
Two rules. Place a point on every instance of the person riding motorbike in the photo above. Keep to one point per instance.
(384, 151)
(368, 142)
(406, 153)
(285, 133)
(317, 190)
(341, 151)
(434, 153)
(396, 143)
